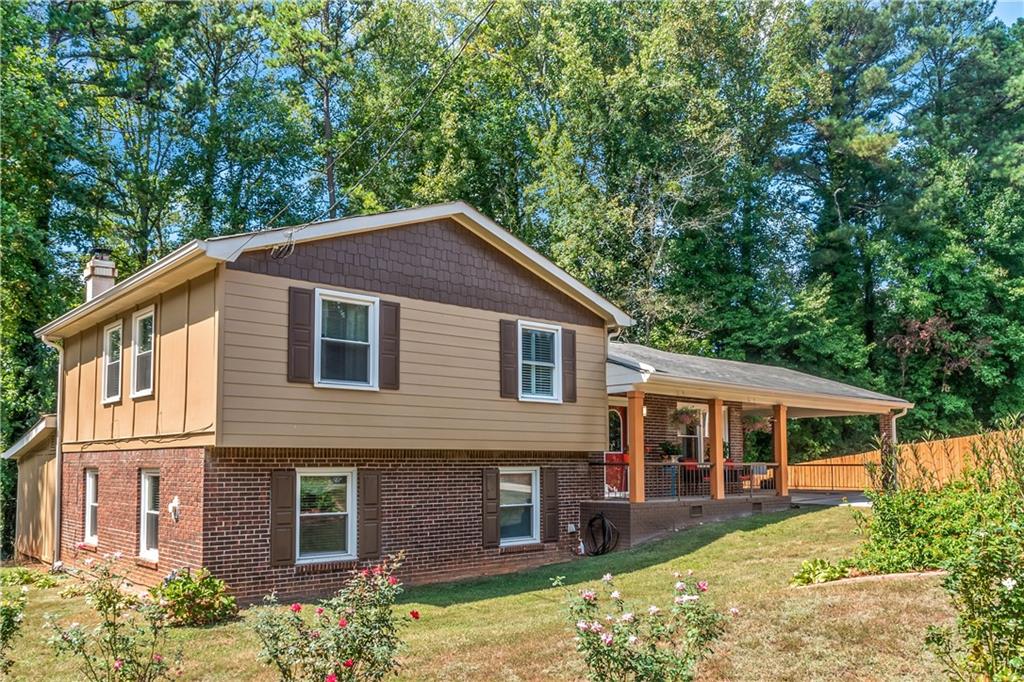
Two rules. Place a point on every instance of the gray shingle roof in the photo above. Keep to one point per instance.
(745, 374)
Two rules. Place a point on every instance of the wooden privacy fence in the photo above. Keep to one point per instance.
(937, 460)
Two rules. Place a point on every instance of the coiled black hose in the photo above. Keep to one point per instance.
(602, 534)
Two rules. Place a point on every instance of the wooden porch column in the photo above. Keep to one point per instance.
(716, 436)
(635, 440)
(780, 447)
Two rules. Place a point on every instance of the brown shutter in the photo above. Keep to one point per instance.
(509, 359)
(369, 516)
(390, 315)
(282, 517)
(569, 365)
(300, 335)
(549, 504)
(492, 532)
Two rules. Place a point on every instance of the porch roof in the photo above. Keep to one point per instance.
(636, 367)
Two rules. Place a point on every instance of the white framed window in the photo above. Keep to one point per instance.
(149, 521)
(346, 349)
(540, 362)
(519, 505)
(143, 340)
(325, 515)
(112, 335)
(615, 435)
(92, 504)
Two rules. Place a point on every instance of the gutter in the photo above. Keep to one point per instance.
(901, 413)
(58, 448)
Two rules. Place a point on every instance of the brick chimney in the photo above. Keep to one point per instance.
(100, 273)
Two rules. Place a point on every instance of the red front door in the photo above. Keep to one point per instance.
(616, 479)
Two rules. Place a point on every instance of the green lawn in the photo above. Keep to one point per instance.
(512, 628)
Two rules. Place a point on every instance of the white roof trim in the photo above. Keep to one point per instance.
(229, 248)
(34, 437)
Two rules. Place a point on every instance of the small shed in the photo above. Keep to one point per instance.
(36, 455)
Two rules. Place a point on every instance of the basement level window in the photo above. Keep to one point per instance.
(325, 515)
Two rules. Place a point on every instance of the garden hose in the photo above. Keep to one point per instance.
(602, 534)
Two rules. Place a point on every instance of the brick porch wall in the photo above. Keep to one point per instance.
(736, 435)
(431, 506)
(181, 475)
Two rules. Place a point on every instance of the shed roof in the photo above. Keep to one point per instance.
(747, 376)
(38, 434)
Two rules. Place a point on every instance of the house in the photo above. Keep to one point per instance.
(285, 405)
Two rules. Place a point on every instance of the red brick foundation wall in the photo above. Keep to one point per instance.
(431, 506)
(181, 475)
(886, 428)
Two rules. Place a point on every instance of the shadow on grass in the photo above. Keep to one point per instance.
(591, 568)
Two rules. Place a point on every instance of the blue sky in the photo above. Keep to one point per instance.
(1009, 10)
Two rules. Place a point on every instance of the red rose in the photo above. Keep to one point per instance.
(296, 608)
(392, 580)
(349, 663)
(415, 614)
(342, 623)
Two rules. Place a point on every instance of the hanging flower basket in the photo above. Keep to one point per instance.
(755, 424)
(685, 416)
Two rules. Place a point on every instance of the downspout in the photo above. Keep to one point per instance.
(897, 415)
(58, 449)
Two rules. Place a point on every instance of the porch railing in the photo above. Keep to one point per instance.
(688, 479)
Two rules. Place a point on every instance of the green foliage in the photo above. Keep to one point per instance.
(815, 571)
(643, 642)
(130, 640)
(12, 614)
(194, 598)
(20, 575)
(354, 635)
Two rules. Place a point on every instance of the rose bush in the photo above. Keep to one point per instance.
(130, 641)
(354, 635)
(194, 598)
(643, 641)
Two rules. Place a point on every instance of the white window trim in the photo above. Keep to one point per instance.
(372, 333)
(556, 380)
(119, 325)
(622, 431)
(147, 554)
(91, 480)
(140, 314)
(535, 538)
(352, 525)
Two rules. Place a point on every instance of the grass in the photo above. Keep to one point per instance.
(512, 627)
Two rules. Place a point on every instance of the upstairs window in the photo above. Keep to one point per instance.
(142, 352)
(112, 362)
(346, 340)
(92, 497)
(540, 362)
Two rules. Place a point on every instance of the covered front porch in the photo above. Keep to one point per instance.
(676, 437)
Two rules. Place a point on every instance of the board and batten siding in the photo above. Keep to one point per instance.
(33, 528)
(183, 403)
(449, 386)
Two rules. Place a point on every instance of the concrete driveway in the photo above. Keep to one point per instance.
(829, 499)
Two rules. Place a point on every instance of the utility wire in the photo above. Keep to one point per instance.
(285, 250)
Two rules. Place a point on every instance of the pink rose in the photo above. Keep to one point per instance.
(392, 580)
(342, 623)
(331, 678)
(319, 610)
(296, 607)
(606, 639)
(588, 595)
(118, 664)
(702, 586)
(349, 663)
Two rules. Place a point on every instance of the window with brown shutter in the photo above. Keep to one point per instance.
(369, 516)
(549, 504)
(282, 517)
(569, 365)
(300, 335)
(390, 318)
(491, 528)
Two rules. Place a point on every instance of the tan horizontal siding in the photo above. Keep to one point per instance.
(448, 397)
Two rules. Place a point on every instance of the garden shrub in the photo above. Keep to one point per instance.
(816, 571)
(12, 613)
(194, 598)
(130, 641)
(19, 575)
(354, 635)
(647, 643)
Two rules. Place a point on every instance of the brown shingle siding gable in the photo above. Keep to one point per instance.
(437, 261)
